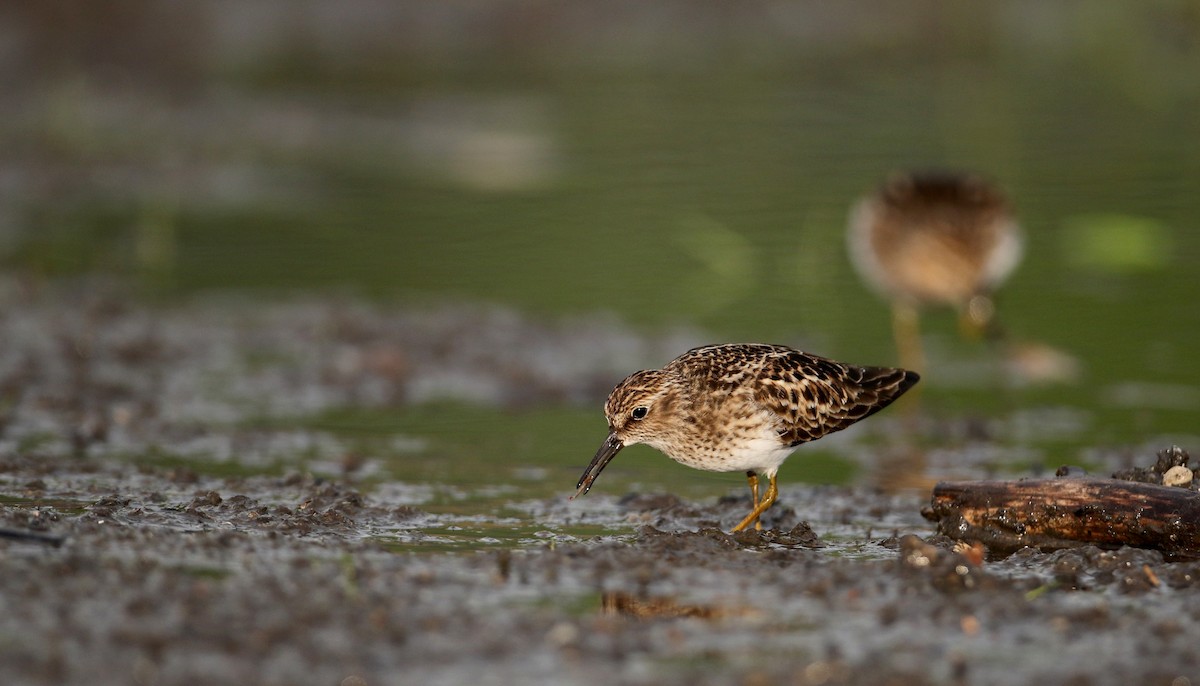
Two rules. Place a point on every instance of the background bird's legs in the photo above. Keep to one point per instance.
(907, 331)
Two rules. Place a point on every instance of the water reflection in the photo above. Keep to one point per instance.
(653, 607)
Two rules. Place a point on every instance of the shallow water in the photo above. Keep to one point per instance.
(612, 175)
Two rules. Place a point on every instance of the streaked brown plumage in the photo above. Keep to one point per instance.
(934, 238)
(741, 407)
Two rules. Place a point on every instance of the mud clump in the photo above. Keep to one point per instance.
(1170, 468)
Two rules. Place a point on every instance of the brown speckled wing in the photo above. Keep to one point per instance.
(813, 396)
(725, 367)
(810, 395)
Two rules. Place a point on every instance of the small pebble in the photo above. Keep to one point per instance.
(1177, 476)
(563, 634)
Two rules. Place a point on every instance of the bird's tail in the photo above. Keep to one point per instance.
(885, 384)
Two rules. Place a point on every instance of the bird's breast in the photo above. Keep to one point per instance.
(733, 447)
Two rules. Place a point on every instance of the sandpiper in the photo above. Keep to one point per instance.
(935, 238)
(741, 407)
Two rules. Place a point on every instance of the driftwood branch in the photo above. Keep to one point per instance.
(1061, 513)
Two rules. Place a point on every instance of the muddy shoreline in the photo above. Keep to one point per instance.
(183, 545)
(165, 578)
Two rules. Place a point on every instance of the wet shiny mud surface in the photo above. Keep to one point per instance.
(170, 521)
(165, 577)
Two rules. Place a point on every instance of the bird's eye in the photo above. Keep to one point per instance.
(639, 413)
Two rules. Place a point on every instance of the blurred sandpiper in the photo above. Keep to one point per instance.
(935, 238)
(741, 407)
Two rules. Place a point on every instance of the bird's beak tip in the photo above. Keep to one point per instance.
(612, 445)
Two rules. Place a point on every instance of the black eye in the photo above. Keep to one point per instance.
(639, 413)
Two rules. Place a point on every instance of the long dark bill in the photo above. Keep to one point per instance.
(612, 445)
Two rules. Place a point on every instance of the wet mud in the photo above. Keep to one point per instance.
(162, 578)
(118, 570)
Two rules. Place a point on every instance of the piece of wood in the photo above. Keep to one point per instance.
(1068, 512)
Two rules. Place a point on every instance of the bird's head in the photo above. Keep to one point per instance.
(644, 408)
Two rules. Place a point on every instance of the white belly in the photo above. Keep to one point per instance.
(762, 452)
(762, 455)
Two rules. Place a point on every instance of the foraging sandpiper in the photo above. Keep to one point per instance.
(741, 407)
(935, 238)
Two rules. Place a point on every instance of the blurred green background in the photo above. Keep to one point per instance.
(672, 162)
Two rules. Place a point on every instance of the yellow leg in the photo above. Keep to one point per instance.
(752, 477)
(907, 331)
(762, 505)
